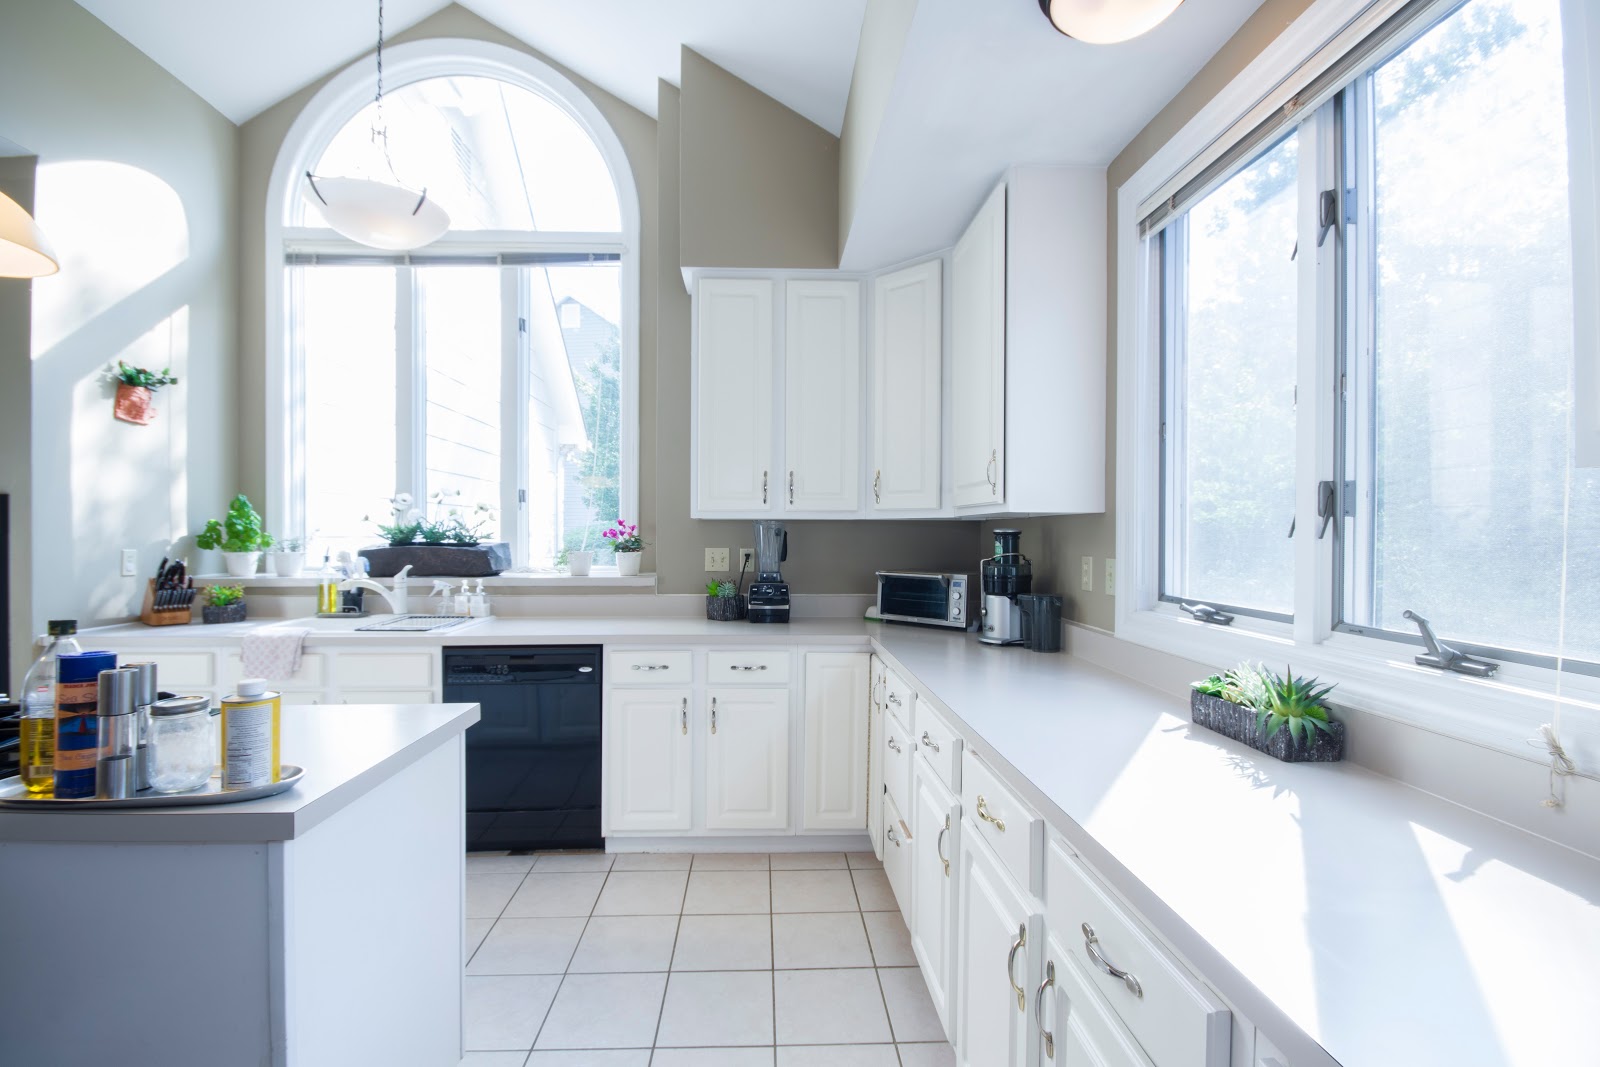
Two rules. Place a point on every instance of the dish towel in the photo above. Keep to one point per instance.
(273, 652)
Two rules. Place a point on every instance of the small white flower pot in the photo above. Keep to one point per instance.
(578, 563)
(241, 564)
(628, 563)
(288, 564)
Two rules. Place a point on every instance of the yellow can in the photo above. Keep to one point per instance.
(251, 727)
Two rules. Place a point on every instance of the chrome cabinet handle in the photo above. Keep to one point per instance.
(1011, 962)
(1038, 1008)
(740, 667)
(892, 745)
(877, 487)
(683, 716)
(763, 487)
(991, 470)
(938, 845)
(889, 833)
(1091, 944)
(652, 667)
(894, 700)
(713, 714)
(791, 487)
(983, 813)
(930, 742)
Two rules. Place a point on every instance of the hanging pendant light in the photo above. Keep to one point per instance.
(378, 214)
(24, 253)
(1107, 21)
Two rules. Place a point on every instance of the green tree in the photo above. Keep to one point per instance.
(600, 393)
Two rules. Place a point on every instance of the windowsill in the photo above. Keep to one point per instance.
(503, 583)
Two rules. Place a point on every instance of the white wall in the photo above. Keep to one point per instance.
(136, 189)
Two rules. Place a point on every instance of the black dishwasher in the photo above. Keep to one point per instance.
(533, 759)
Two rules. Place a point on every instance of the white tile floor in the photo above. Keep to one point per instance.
(588, 960)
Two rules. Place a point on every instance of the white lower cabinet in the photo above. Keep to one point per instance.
(898, 846)
(649, 759)
(875, 727)
(835, 793)
(997, 946)
(747, 759)
(935, 826)
(1075, 1028)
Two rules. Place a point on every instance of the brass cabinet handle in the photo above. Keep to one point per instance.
(683, 716)
(713, 714)
(877, 487)
(983, 813)
(763, 487)
(1038, 1008)
(791, 487)
(1091, 944)
(929, 742)
(1011, 961)
(938, 845)
(992, 470)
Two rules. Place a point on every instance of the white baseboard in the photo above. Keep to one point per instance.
(753, 843)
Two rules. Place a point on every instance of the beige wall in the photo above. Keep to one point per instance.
(136, 186)
(883, 39)
(16, 428)
(760, 183)
(1057, 545)
(824, 557)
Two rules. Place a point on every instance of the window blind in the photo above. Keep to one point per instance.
(1365, 42)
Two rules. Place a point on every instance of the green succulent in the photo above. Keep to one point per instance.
(220, 596)
(724, 590)
(1293, 702)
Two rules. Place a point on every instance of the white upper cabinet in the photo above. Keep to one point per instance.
(1028, 347)
(822, 396)
(734, 405)
(907, 354)
(978, 357)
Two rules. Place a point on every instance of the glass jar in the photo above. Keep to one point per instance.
(183, 748)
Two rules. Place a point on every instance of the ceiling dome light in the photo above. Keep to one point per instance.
(377, 214)
(24, 253)
(1107, 21)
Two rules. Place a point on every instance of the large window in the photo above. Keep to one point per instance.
(1424, 202)
(485, 374)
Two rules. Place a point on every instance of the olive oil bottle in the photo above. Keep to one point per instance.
(38, 724)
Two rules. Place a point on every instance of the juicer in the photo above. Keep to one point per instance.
(1007, 574)
(769, 593)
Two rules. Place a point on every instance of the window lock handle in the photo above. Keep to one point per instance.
(1207, 613)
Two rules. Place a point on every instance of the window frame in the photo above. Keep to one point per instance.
(335, 104)
(1375, 673)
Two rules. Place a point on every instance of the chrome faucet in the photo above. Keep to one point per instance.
(396, 598)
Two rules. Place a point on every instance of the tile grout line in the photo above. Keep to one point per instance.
(563, 981)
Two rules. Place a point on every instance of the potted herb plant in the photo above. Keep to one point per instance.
(288, 557)
(724, 603)
(627, 545)
(1282, 715)
(447, 545)
(239, 535)
(136, 387)
(224, 603)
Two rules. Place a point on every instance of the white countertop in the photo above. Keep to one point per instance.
(346, 755)
(1386, 925)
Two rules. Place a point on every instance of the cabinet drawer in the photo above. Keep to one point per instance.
(386, 670)
(898, 752)
(1175, 1019)
(765, 667)
(995, 814)
(1082, 1029)
(898, 697)
(650, 668)
(897, 855)
(939, 745)
(313, 672)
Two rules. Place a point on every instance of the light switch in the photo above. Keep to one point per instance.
(717, 560)
(130, 562)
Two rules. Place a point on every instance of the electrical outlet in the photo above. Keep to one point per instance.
(747, 559)
(1086, 574)
(1111, 576)
(717, 560)
(130, 562)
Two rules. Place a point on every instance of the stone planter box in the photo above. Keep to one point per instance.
(226, 613)
(725, 608)
(1239, 722)
(439, 561)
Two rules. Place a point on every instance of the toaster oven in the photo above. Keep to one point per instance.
(925, 599)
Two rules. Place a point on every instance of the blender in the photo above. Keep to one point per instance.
(769, 593)
(1007, 575)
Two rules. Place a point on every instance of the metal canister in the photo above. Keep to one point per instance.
(118, 731)
(144, 695)
(250, 729)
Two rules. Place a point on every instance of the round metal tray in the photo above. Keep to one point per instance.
(14, 796)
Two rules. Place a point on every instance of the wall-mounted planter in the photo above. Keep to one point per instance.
(440, 561)
(134, 404)
(225, 613)
(1239, 722)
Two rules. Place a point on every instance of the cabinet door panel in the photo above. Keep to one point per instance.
(733, 395)
(1075, 1027)
(836, 741)
(935, 824)
(978, 352)
(992, 1028)
(822, 396)
(908, 343)
(747, 759)
(648, 760)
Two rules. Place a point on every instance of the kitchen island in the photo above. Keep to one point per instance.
(323, 925)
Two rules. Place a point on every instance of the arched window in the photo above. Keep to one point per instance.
(505, 352)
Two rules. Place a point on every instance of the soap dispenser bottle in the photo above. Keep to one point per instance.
(478, 605)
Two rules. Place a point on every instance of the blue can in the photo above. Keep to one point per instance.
(77, 728)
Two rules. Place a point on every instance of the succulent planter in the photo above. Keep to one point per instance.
(225, 613)
(1239, 722)
(439, 561)
(628, 563)
(725, 608)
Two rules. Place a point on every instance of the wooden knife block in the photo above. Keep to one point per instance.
(178, 615)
